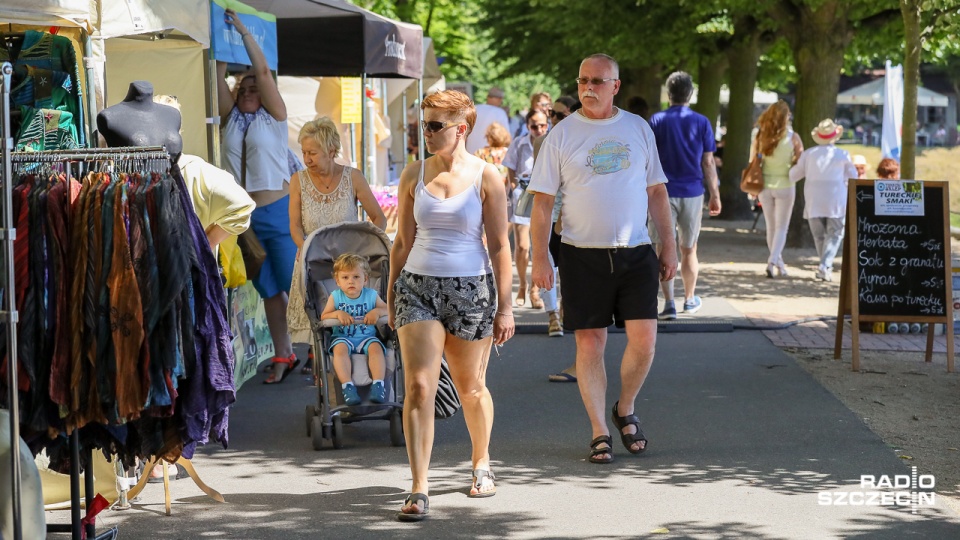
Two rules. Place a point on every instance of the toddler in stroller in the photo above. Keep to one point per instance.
(358, 370)
(357, 308)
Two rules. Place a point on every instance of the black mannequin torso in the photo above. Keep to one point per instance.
(138, 121)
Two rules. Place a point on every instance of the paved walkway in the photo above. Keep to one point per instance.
(819, 334)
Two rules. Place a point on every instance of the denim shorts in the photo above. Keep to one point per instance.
(465, 306)
(271, 224)
(356, 345)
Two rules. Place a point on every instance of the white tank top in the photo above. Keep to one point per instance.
(448, 241)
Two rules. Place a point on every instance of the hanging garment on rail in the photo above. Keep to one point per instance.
(50, 54)
(123, 330)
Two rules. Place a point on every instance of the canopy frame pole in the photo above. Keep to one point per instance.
(363, 127)
(420, 149)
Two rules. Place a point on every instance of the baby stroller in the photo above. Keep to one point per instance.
(325, 420)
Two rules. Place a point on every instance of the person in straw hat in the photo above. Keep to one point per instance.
(826, 169)
(860, 163)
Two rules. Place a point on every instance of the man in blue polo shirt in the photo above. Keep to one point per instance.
(686, 145)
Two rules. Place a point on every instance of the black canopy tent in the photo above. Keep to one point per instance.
(318, 38)
(332, 38)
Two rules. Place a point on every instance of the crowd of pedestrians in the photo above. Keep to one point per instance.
(584, 191)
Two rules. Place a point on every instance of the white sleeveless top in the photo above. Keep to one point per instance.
(449, 240)
(318, 209)
(267, 166)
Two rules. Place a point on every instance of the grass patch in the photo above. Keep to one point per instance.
(934, 163)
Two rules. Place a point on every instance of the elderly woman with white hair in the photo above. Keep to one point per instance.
(826, 169)
(325, 193)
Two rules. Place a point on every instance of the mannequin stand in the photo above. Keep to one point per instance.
(188, 466)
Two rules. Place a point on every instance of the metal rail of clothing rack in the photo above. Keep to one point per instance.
(9, 314)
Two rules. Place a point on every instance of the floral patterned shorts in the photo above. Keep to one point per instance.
(465, 306)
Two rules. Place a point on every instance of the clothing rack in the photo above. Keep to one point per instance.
(9, 312)
(119, 153)
(144, 155)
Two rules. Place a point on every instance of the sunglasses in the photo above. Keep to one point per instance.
(434, 127)
(544, 104)
(558, 115)
(540, 126)
(594, 81)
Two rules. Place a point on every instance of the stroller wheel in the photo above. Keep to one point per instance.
(337, 433)
(311, 411)
(316, 432)
(396, 428)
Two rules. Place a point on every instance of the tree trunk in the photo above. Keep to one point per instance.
(743, 57)
(818, 56)
(644, 82)
(911, 80)
(709, 79)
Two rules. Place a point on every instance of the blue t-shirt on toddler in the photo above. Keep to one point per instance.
(358, 309)
(682, 137)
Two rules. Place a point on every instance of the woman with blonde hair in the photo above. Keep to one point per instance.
(780, 147)
(324, 193)
(449, 296)
(498, 141)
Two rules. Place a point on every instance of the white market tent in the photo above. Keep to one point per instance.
(872, 93)
(159, 42)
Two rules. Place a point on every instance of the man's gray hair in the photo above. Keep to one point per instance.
(609, 59)
(680, 87)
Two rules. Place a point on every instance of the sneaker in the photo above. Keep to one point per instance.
(350, 395)
(669, 312)
(556, 327)
(692, 305)
(823, 274)
(378, 394)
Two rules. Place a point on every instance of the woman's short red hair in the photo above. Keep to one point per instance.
(888, 169)
(457, 104)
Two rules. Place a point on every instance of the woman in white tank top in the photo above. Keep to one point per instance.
(448, 295)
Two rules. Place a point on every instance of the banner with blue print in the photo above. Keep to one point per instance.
(226, 43)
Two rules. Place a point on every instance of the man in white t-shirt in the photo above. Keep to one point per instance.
(604, 163)
(487, 113)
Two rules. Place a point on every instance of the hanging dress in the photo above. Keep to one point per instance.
(317, 209)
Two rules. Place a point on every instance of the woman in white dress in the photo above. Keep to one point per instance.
(325, 193)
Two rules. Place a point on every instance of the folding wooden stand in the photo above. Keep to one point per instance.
(188, 466)
(935, 225)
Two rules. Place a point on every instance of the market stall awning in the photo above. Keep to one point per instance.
(47, 12)
(135, 17)
(872, 93)
(334, 38)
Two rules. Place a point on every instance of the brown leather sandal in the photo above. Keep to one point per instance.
(596, 450)
(629, 439)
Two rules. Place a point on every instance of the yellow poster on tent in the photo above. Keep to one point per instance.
(351, 100)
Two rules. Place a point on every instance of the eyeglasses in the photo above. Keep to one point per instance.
(540, 126)
(594, 81)
(434, 127)
(544, 104)
(558, 115)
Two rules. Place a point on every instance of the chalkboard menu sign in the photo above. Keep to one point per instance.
(900, 259)
(896, 252)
